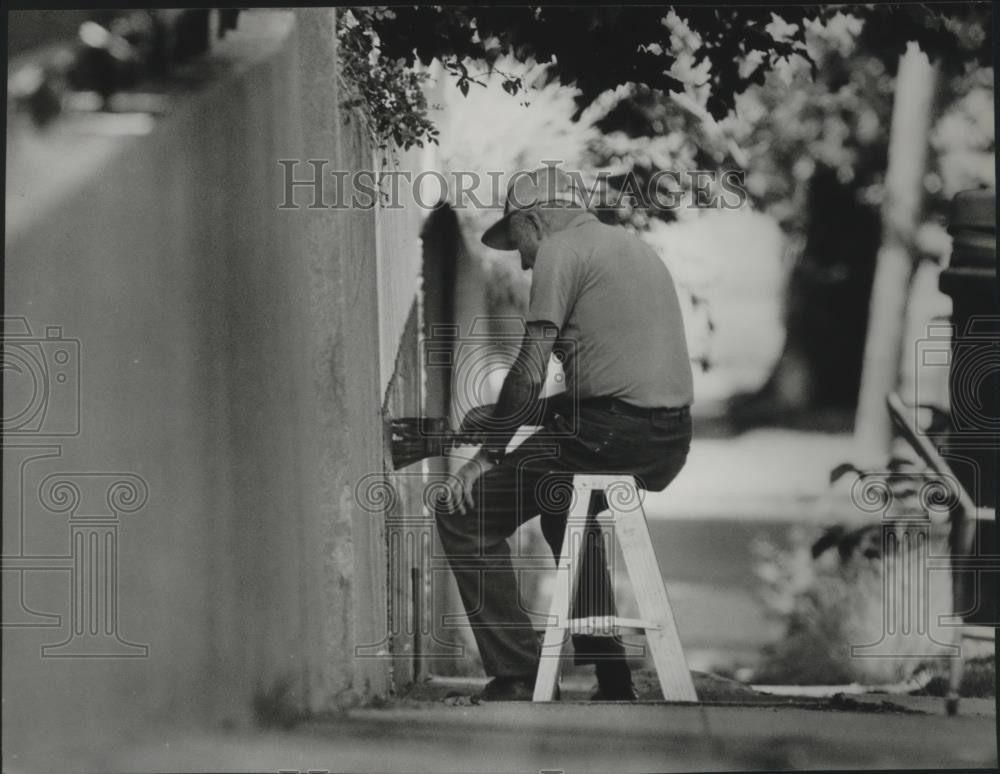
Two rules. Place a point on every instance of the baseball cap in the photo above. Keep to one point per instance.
(546, 185)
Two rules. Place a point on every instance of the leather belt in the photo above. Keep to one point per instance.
(624, 407)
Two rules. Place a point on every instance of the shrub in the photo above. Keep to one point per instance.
(833, 602)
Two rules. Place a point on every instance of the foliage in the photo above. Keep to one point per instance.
(814, 144)
(826, 106)
(831, 590)
(389, 91)
(601, 48)
(485, 131)
(834, 113)
(830, 603)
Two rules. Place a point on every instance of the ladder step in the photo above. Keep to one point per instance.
(608, 626)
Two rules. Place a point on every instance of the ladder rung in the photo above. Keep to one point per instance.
(609, 626)
(985, 513)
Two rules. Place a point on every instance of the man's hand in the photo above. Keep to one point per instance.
(460, 486)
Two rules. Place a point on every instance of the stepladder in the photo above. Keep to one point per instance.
(620, 514)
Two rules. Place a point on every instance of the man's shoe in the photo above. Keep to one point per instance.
(614, 683)
(509, 689)
(615, 693)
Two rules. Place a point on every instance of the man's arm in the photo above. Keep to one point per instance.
(522, 387)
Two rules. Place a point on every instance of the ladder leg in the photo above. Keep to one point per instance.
(654, 604)
(955, 673)
(567, 577)
(548, 664)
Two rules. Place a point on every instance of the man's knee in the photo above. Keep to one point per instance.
(458, 531)
(490, 519)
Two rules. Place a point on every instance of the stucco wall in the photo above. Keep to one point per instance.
(226, 353)
(397, 231)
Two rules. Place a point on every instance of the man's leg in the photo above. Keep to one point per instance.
(477, 549)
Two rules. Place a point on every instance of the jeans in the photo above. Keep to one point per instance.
(536, 479)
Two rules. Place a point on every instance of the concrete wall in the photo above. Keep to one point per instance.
(227, 365)
(399, 251)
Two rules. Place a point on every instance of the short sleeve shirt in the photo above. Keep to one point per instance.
(621, 333)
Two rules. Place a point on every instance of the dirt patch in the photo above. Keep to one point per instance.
(712, 690)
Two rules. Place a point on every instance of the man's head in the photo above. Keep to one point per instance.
(538, 203)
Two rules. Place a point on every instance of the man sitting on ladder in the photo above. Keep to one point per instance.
(603, 302)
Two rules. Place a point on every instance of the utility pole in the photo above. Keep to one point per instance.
(912, 114)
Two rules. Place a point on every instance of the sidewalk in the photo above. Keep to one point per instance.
(563, 736)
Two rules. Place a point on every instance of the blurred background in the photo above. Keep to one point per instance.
(777, 295)
(178, 318)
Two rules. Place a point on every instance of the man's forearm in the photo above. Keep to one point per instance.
(518, 392)
(521, 389)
